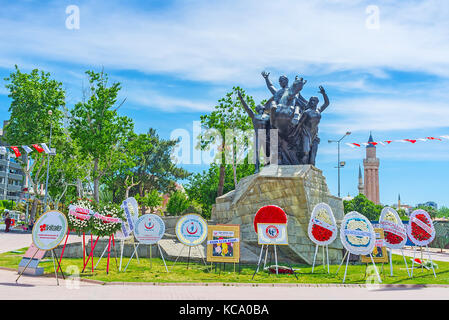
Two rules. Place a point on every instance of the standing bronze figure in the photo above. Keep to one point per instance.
(261, 122)
(295, 118)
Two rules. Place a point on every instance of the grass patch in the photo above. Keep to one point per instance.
(154, 271)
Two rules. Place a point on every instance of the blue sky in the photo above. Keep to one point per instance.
(175, 59)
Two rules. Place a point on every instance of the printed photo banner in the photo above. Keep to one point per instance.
(322, 228)
(379, 252)
(191, 229)
(149, 229)
(272, 233)
(223, 243)
(420, 229)
(357, 234)
(49, 230)
(394, 230)
(387, 142)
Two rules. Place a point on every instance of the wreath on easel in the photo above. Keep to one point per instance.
(107, 221)
(80, 215)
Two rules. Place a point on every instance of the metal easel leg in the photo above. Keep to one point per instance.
(258, 262)
(431, 263)
(314, 257)
(29, 261)
(375, 268)
(405, 261)
(122, 244)
(201, 255)
(54, 265)
(59, 265)
(134, 252)
(276, 260)
(342, 260)
(104, 251)
(346, 269)
(391, 262)
(180, 251)
(162, 256)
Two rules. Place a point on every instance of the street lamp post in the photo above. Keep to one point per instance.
(339, 164)
(48, 162)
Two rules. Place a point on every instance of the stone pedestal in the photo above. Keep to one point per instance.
(296, 189)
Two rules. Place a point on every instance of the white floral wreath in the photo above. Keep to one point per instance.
(107, 222)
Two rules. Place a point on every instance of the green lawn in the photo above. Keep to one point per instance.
(154, 271)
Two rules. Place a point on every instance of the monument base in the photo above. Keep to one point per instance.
(296, 189)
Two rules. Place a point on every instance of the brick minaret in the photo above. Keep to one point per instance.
(371, 165)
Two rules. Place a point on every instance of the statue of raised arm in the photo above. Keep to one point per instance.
(268, 82)
(326, 99)
(309, 128)
(261, 121)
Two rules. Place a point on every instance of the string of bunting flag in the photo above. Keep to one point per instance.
(387, 142)
(39, 147)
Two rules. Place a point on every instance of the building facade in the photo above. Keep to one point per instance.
(11, 175)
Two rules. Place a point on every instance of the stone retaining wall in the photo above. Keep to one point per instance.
(296, 189)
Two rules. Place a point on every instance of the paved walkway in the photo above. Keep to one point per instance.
(13, 241)
(46, 288)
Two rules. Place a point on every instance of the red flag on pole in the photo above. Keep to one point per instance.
(16, 151)
(38, 148)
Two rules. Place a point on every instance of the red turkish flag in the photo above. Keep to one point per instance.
(16, 151)
(388, 141)
(410, 140)
(356, 144)
(38, 148)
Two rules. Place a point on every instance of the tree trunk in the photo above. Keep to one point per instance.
(234, 164)
(79, 188)
(142, 194)
(96, 182)
(221, 180)
(33, 210)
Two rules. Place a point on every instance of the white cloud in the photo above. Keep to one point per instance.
(386, 114)
(233, 40)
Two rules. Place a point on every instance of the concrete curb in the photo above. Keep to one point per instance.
(251, 284)
(305, 285)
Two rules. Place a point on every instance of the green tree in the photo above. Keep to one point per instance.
(202, 187)
(98, 129)
(68, 170)
(229, 114)
(402, 214)
(156, 169)
(443, 212)
(152, 200)
(430, 210)
(177, 203)
(364, 206)
(33, 95)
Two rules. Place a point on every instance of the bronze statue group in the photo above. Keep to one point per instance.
(295, 119)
